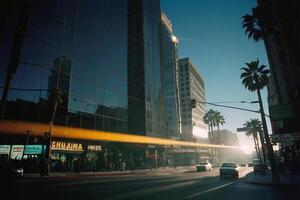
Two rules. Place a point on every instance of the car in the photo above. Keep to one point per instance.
(229, 169)
(259, 168)
(243, 165)
(250, 164)
(204, 166)
(256, 161)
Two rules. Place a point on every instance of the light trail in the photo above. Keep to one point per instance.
(37, 129)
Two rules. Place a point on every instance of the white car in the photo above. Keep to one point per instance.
(204, 166)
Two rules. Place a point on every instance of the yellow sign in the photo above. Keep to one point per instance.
(66, 146)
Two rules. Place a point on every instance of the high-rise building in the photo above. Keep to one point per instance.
(191, 86)
(145, 97)
(225, 137)
(102, 56)
(170, 73)
(281, 20)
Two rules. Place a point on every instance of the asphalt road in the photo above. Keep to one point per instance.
(189, 185)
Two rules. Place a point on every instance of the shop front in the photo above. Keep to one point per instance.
(74, 156)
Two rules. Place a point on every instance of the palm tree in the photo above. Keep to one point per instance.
(253, 126)
(209, 119)
(257, 26)
(219, 119)
(255, 78)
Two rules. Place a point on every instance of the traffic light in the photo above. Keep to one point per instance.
(193, 103)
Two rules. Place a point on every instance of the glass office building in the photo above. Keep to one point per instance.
(76, 47)
(93, 53)
(144, 70)
(170, 74)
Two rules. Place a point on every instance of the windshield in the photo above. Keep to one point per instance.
(203, 163)
(229, 165)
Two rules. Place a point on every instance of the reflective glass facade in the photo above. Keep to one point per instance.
(170, 79)
(144, 69)
(77, 47)
(102, 56)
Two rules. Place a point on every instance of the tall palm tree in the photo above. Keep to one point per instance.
(255, 77)
(220, 120)
(257, 26)
(209, 119)
(253, 127)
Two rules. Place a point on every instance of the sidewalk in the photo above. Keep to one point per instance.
(159, 171)
(285, 180)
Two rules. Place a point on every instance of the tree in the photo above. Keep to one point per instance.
(255, 78)
(209, 119)
(253, 127)
(257, 25)
(219, 120)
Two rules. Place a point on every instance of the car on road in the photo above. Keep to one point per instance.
(204, 166)
(259, 168)
(229, 169)
(243, 165)
(250, 164)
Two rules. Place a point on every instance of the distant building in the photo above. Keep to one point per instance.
(225, 137)
(170, 77)
(191, 86)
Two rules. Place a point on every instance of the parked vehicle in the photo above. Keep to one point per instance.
(250, 164)
(255, 161)
(259, 168)
(229, 169)
(204, 166)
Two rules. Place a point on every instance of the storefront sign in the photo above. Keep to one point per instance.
(33, 149)
(4, 149)
(17, 152)
(288, 137)
(94, 147)
(66, 146)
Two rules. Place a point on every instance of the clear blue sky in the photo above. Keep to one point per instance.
(210, 33)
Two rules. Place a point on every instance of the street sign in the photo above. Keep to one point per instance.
(244, 129)
(288, 137)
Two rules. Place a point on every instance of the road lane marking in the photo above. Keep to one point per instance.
(142, 192)
(209, 190)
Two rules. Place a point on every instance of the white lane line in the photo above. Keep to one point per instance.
(209, 190)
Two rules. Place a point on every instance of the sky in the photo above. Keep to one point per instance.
(210, 33)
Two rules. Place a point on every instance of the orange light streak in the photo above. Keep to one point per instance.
(21, 128)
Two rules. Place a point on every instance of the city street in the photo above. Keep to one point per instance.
(151, 185)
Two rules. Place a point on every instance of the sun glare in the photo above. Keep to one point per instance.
(246, 149)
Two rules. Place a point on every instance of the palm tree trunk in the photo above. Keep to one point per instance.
(262, 146)
(271, 156)
(219, 135)
(212, 134)
(257, 155)
(258, 149)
